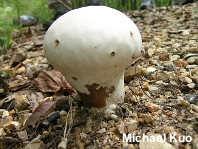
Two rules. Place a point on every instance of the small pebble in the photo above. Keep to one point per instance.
(182, 102)
(176, 45)
(192, 60)
(54, 116)
(21, 70)
(149, 70)
(5, 114)
(173, 57)
(153, 107)
(193, 99)
(152, 88)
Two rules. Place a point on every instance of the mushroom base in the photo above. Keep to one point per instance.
(102, 97)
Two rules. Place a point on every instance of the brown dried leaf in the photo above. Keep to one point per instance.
(50, 81)
(18, 59)
(39, 112)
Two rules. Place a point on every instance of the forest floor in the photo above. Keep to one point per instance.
(38, 110)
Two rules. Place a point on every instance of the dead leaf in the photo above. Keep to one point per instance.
(51, 81)
(36, 143)
(22, 101)
(19, 57)
(39, 112)
(19, 87)
(5, 122)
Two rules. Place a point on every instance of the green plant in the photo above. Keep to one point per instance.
(4, 74)
(19, 5)
(5, 43)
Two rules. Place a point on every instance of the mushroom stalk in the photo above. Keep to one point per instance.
(92, 46)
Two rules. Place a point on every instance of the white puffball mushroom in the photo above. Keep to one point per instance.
(91, 46)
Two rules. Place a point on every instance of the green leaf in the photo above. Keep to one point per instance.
(3, 40)
(4, 74)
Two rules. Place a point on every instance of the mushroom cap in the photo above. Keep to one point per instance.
(93, 42)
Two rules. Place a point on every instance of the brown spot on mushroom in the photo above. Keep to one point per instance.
(56, 42)
(74, 78)
(131, 33)
(113, 53)
(97, 96)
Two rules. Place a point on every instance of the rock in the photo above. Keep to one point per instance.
(152, 88)
(167, 63)
(5, 122)
(192, 60)
(193, 49)
(63, 119)
(22, 135)
(63, 113)
(153, 107)
(45, 134)
(53, 117)
(176, 45)
(83, 135)
(131, 125)
(186, 80)
(159, 143)
(36, 143)
(149, 70)
(1, 132)
(173, 83)
(169, 67)
(190, 55)
(191, 85)
(4, 114)
(63, 144)
(45, 124)
(193, 99)
(195, 79)
(130, 146)
(111, 122)
(191, 66)
(185, 32)
(159, 82)
(20, 70)
(173, 57)
(180, 63)
(182, 102)
(15, 125)
(151, 52)
(121, 127)
(114, 117)
(145, 118)
(194, 107)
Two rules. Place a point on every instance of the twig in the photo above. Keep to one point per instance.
(68, 128)
(11, 146)
(64, 4)
(9, 139)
